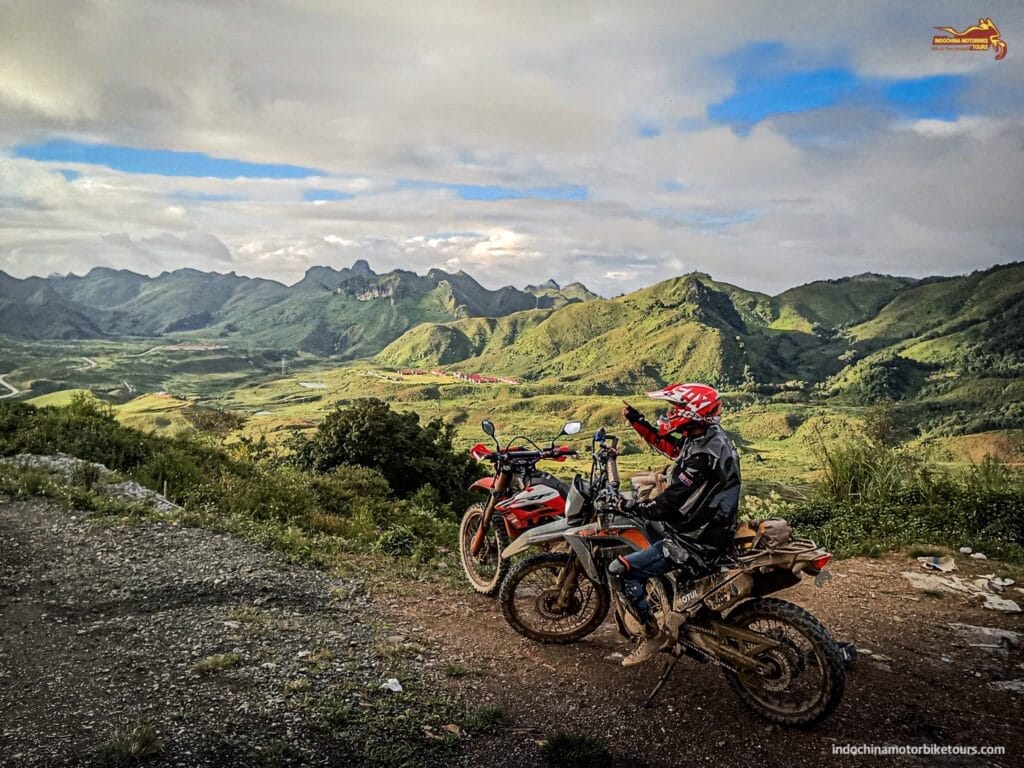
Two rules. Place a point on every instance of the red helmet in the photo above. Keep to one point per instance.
(692, 405)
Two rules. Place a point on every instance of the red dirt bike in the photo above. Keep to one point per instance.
(521, 497)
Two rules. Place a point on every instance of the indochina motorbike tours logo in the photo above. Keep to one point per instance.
(981, 37)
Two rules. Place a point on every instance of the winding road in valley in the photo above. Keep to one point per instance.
(14, 391)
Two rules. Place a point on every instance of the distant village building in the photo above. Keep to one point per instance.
(472, 378)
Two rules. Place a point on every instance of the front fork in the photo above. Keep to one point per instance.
(567, 581)
(497, 491)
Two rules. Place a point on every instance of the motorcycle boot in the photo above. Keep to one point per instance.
(655, 639)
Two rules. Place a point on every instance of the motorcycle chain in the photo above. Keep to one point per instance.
(707, 655)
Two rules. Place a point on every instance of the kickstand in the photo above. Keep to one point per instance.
(661, 682)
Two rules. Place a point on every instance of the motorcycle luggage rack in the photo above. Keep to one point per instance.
(794, 549)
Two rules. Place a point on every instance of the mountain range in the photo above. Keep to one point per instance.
(863, 337)
(352, 312)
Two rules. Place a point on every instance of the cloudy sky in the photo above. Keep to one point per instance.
(614, 143)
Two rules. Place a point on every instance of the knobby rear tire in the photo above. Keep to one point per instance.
(828, 655)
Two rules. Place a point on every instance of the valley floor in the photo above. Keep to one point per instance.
(231, 653)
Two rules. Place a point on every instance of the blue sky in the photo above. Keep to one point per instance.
(767, 144)
(158, 162)
(769, 81)
(494, 192)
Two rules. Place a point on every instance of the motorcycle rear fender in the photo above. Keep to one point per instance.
(548, 532)
(483, 484)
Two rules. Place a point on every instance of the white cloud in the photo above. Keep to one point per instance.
(521, 95)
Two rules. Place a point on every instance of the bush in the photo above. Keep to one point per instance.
(278, 494)
(408, 454)
(873, 473)
(86, 475)
(399, 542)
(349, 486)
(175, 467)
(874, 499)
(85, 429)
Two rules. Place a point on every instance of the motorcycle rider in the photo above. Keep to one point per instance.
(697, 509)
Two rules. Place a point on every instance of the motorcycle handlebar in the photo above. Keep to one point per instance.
(557, 454)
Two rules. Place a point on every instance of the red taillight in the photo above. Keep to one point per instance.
(821, 562)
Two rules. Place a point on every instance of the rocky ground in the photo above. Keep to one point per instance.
(236, 658)
(231, 655)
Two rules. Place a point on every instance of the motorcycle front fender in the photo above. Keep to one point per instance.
(581, 549)
(548, 532)
(483, 484)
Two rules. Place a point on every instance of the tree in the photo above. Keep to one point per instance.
(882, 424)
(409, 454)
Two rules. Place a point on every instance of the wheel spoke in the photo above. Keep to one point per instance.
(486, 564)
(792, 675)
(535, 602)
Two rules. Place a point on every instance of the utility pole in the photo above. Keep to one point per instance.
(282, 365)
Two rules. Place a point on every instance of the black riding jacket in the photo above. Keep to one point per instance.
(700, 506)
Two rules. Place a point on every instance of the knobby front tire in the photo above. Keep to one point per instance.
(488, 569)
(531, 585)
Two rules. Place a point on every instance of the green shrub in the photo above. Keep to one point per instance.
(428, 500)
(398, 542)
(85, 429)
(864, 472)
(23, 483)
(874, 499)
(407, 453)
(349, 486)
(278, 494)
(86, 474)
(174, 466)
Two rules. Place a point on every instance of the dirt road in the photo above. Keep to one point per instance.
(931, 687)
(228, 650)
(13, 390)
(200, 634)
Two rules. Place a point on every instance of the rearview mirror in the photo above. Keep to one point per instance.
(572, 428)
(488, 428)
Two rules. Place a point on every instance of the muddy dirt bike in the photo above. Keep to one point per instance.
(520, 497)
(588, 606)
(777, 657)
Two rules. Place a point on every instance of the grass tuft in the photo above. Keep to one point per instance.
(129, 746)
(485, 718)
(216, 663)
(576, 750)
(452, 669)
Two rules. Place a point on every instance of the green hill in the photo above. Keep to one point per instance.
(678, 328)
(833, 304)
(861, 337)
(32, 309)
